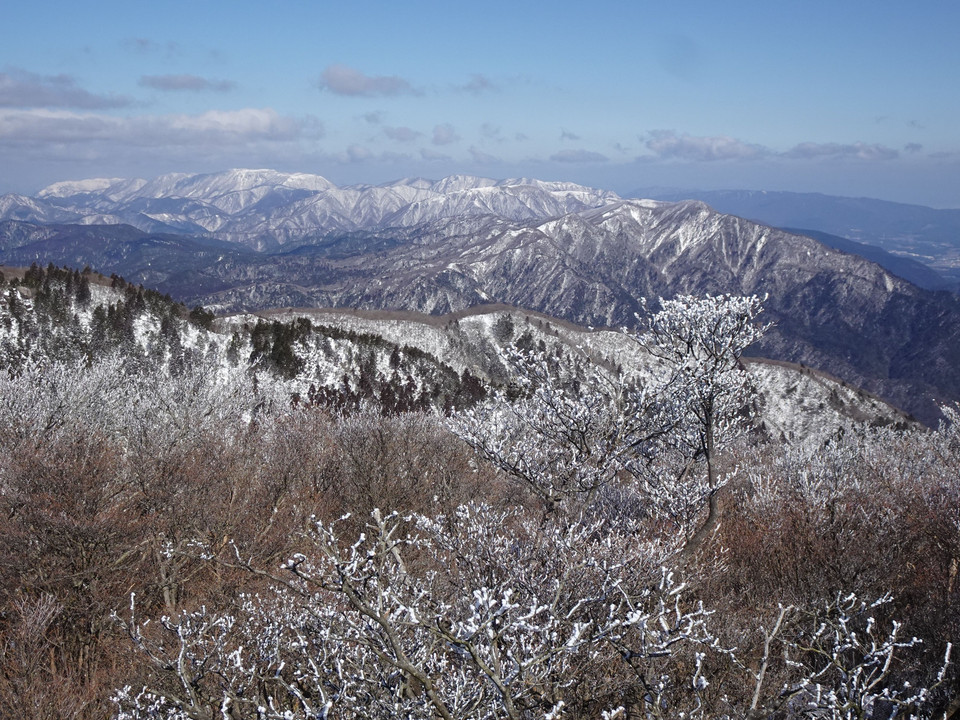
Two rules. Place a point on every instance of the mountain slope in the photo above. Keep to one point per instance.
(832, 310)
(904, 267)
(571, 252)
(923, 234)
(344, 358)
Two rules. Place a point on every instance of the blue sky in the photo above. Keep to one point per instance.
(847, 98)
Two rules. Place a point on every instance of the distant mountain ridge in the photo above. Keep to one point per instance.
(907, 268)
(278, 240)
(926, 235)
(266, 210)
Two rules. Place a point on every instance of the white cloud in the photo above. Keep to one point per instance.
(214, 127)
(491, 132)
(145, 46)
(668, 145)
(859, 151)
(483, 158)
(433, 156)
(578, 156)
(358, 153)
(478, 84)
(401, 134)
(22, 89)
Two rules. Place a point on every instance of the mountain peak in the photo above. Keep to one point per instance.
(418, 183)
(69, 188)
(455, 183)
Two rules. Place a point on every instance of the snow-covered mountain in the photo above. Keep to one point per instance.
(257, 239)
(883, 230)
(266, 209)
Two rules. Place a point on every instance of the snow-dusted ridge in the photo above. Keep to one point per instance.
(262, 208)
(799, 405)
(402, 349)
(70, 188)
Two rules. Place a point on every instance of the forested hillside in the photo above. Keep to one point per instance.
(295, 516)
(62, 315)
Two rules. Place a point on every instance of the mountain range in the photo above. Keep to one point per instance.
(256, 239)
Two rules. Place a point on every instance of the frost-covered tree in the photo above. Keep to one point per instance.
(841, 659)
(565, 429)
(194, 485)
(699, 342)
(706, 390)
(571, 429)
(488, 614)
(495, 614)
(846, 659)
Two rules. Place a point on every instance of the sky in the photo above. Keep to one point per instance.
(844, 98)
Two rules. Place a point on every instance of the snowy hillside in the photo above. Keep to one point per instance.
(342, 359)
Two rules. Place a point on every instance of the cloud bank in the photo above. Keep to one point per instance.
(214, 127)
(22, 89)
(860, 151)
(669, 145)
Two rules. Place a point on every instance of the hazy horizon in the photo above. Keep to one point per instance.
(855, 99)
